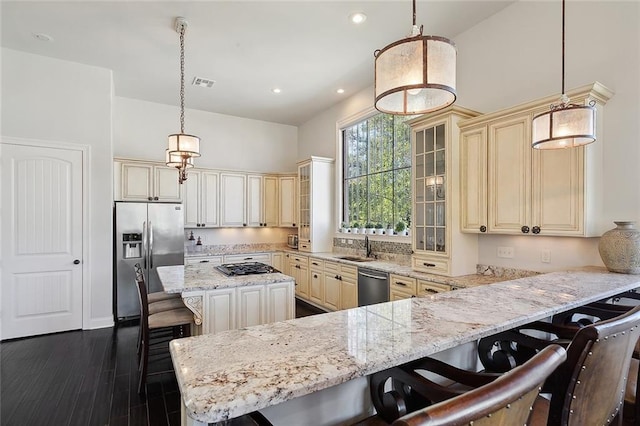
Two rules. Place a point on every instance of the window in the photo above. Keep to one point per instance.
(377, 171)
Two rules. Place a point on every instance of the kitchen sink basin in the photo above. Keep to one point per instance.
(355, 258)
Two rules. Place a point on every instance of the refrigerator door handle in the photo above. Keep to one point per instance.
(144, 244)
(150, 246)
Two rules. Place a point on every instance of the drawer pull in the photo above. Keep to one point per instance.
(298, 266)
(430, 265)
(248, 258)
(430, 290)
(314, 263)
(204, 261)
(401, 283)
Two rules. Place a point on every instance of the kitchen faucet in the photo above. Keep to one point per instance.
(367, 245)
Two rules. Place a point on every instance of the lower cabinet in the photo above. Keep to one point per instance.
(349, 289)
(426, 288)
(232, 308)
(299, 270)
(219, 311)
(316, 282)
(340, 286)
(401, 287)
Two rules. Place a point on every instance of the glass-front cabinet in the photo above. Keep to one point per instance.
(438, 245)
(304, 227)
(316, 183)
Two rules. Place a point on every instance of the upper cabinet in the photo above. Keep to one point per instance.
(270, 201)
(438, 245)
(143, 181)
(233, 200)
(200, 199)
(510, 188)
(287, 201)
(315, 181)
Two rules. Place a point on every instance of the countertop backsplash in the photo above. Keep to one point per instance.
(391, 251)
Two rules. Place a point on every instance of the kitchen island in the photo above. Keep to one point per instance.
(275, 366)
(220, 302)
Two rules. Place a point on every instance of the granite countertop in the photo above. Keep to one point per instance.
(205, 276)
(221, 250)
(229, 374)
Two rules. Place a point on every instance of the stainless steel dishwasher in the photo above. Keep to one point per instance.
(373, 287)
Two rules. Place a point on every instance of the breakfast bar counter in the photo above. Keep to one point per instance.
(229, 374)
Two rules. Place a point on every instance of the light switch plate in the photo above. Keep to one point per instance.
(506, 252)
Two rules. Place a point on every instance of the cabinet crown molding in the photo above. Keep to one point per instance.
(596, 91)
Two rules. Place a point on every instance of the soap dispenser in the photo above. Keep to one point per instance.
(199, 245)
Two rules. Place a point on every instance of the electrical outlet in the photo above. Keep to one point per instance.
(349, 241)
(341, 240)
(545, 256)
(506, 252)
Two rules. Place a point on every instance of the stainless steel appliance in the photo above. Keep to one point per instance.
(246, 268)
(151, 234)
(292, 241)
(373, 287)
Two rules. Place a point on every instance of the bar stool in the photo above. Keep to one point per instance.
(178, 320)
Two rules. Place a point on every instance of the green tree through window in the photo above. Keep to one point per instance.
(377, 171)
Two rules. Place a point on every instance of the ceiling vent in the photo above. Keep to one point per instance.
(202, 82)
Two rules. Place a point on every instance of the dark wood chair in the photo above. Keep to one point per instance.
(178, 320)
(505, 401)
(589, 388)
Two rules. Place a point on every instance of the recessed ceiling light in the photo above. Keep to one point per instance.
(276, 90)
(340, 91)
(357, 17)
(42, 37)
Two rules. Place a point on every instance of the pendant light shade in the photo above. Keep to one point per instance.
(565, 125)
(415, 75)
(183, 148)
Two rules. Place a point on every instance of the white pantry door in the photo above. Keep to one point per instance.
(41, 240)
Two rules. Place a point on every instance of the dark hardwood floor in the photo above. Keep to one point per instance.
(86, 378)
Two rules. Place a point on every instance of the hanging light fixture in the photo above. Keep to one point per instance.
(415, 75)
(565, 125)
(182, 147)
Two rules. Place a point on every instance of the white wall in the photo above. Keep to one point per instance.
(53, 100)
(227, 142)
(514, 57)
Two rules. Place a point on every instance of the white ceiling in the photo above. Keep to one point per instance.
(307, 48)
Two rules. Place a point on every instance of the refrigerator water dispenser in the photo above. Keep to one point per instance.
(132, 246)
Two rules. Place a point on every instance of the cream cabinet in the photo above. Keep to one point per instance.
(426, 288)
(348, 287)
(401, 287)
(510, 188)
(248, 257)
(332, 290)
(200, 200)
(252, 307)
(438, 244)
(287, 201)
(270, 201)
(315, 227)
(316, 282)
(219, 311)
(254, 200)
(233, 199)
(299, 270)
(145, 181)
(277, 261)
(280, 302)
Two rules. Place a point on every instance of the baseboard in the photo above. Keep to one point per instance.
(103, 322)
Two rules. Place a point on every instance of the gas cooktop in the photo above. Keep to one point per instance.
(246, 268)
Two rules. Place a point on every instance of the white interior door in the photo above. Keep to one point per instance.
(41, 240)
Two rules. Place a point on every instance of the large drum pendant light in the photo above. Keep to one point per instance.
(182, 147)
(565, 125)
(415, 75)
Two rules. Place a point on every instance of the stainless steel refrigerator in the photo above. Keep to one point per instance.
(151, 234)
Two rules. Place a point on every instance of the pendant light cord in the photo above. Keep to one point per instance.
(182, 29)
(563, 1)
(414, 13)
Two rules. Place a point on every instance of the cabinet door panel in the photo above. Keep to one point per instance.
(316, 287)
(191, 200)
(254, 201)
(251, 306)
(233, 199)
(280, 302)
(136, 182)
(287, 198)
(209, 199)
(220, 306)
(167, 187)
(331, 291)
(558, 188)
(509, 166)
(270, 201)
(473, 168)
(348, 294)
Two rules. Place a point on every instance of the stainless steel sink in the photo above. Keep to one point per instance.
(355, 258)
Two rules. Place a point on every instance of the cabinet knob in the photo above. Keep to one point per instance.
(76, 262)
(156, 198)
(244, 224)
(293, 224)
(315, 276)
(483, 228)
(336, 277)
(535, 229)
(150, 198)
(525, 229)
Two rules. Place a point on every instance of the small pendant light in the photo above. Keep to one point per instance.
(565, 125)
(182, 147)
(415, 75)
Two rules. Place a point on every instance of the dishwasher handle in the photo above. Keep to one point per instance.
(375, 277)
